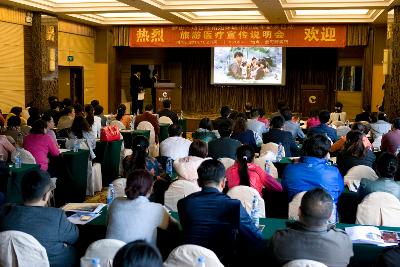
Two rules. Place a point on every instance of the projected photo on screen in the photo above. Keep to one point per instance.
(248, 65)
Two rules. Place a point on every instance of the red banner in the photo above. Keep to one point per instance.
(239, 35)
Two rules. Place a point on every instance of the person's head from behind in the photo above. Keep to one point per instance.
(138, 183)
(324, 116)
(14, 122)
(78, 109)
(382, 116)
(281, 104)
(55, 105)
(137, 160)
(248, 106)
(198, 148)
(387, 165)
(225, 111)
(225, 129)
(316, 208)
(80, 125)
(211, 173)
(16, 110)
(94, 102)
(120, 111)
(367, 108)
(286, 114)
(89, 110)
(205, 123)
(396, 123)
(239, 126)
(138, 253)
(148, 108)
(69, 111)
(361, 127)
(98, 110)
(174, 130)
(34, 112)
(277, 122)
(338, 107)
(48, 120)
(255, 114)
(39, 127)
(354, 144)
(35, 188)
(317, 145)
(67, 102)
(52, 99)
(244, 155)
(261, 112)
(166, 103)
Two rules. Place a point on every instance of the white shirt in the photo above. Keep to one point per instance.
(258, 128)
(96, 126)
(175, 147)
(379, 128)
(342, 116)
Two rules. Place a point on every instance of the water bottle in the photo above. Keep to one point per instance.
(18, 159)
(168, 167)
(181, 115)
(267, 166)
(95, 262)
(279, 156)
(397, 151)
(110, 194)
(201, 261)
(75, 144)
(254, 212)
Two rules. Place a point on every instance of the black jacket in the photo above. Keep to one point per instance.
(285, 138)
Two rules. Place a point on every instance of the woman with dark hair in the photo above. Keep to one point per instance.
(125, 119)
(138, 254)
(186, 167)
(313, 120)
(66, 119)
(94, 121)
(245, 172)
(261, 117)
(357, 126)
(80, 129)
(242, 134)
(50, 126)
(205, 132)
(34, 115)
(40, 144)
(386, 170)
(135, 217)
(354, 153)
(15, 111)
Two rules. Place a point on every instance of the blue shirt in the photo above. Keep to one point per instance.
(294, 129)
(324, 129)
(311, 173)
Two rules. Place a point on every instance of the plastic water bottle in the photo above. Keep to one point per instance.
(18, 159)
(279, 156)
(181, 115)
(110, 194)
(397, 151)
(95, 262)
(168, 167)
(201, 261)
(267, 166)
(254, 211)
(75, 144)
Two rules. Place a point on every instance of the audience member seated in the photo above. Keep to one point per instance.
(50, 127)
(188, 256)
(245, 172)
(135, 217)
(386, 169)
(49, 226)
(277, 135)
(323, 127)
(34, 115)
(280, 106)
(225, 113)
(13, 127)
(40, 144)
(167, 112)
(357, 126)
(54, 110)
(94, 122)
(261, 118)
(16, 111)
(379, 128)
(313, 120)
(365, 115)
(138, 254)
(224, 147)
(2, 119)
(122, 117)
(248, 107)
(391, 140)
(313, 171)
(80, 129)
(205, 132)
(186, 167)
(175, 146)
(338, 115)
(242, 134)
(65, 121)
(5, 148)
(98, 113)
(148, 116)
(312, 237)
(210, 219)
(354, 153)
(290, 126)
(78, 110)
(256, 126)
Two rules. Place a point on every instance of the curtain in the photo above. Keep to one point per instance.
(357, 34)
(368, 63)
(121, 35)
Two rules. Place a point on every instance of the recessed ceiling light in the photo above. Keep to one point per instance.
(321, 12)
(127, 15)
(226, 13)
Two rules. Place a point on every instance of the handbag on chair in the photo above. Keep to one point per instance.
(109, 133)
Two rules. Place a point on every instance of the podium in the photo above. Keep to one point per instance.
(167, 91)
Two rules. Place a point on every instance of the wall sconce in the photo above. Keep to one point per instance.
(387, 61)
(52, 59)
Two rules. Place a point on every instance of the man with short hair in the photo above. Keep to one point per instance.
(224, 147)
(235, 69)
(175, 146)
(391, 140)
(225, 112)
(311, 237)
(49, 226)
(213, 220)
(323, 128)
(135, 89)
(248, 108)
(281, 104)
(148, 116)
(290, 126)
(167, 112)
(256, 126)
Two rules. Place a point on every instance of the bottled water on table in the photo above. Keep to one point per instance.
(201, 261)
(75, 144)
(169, 167)
(95, 262)
(110, 194)
(18, 159)
(267, 166)
(254, 211)
(279, 155)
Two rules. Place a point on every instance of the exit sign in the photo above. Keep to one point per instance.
(70, 58)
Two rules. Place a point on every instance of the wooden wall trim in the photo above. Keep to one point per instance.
(13, 15)
(76, 28)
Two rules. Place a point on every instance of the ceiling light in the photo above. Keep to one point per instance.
(324, 12)
(226, 13)
(127, 15)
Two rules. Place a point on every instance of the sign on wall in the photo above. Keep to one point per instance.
(239, 35)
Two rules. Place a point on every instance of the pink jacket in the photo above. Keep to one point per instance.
(258, 178)
(40, 145)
